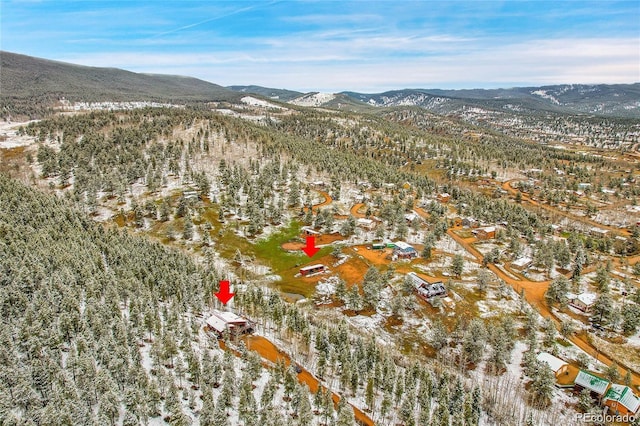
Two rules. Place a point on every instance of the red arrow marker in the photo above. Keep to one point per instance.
(224, 295)
(310, 249)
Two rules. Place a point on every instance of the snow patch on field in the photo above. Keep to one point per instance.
(250, 100)
(313, 99)
(372, 324)
(9, 137)
(543, 94)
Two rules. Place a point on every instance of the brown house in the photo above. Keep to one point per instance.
(485, 233)
(444, 197)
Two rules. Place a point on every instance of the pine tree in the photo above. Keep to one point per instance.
(220, 417)
(549, 333)
(603, 307)
(266, 399)
(612, 373)
(428, 243)
(543, 384)
(407, 409)
(345, 414)
(585, 402)
(327, 405)
(484, 277)
(385, 406)
(557, 291)
(474, 341)
(354, 299)
(247, 406)
(207, 414)
(371, 287)
(348, 227)
(439, 335)
(341, 290)
(305, 413)
(370, 394)
(457, 265)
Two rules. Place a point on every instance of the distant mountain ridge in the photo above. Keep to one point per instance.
(601, 99)
(268, 92)
(29, 84)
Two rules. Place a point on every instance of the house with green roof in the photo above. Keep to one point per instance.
(597, 385)
(621, 400)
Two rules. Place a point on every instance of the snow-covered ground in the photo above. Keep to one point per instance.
(9, 137)
(313, 99)
(250, 100)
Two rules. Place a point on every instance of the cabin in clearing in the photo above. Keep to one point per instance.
(556, 365)
(403, 250)
(485, 233)
(428, 291)
(312, 269)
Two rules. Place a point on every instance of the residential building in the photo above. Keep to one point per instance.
(485, 233)
(582, 301)
(366, 223)
(521, 264)
(425, 289)
(556, 365)
(403, 250)
(308, 231)
(444, 197)
(596, 385)
(221, 322)
(621, 400)
(313, 269)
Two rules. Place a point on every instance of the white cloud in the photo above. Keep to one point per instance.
(335, 65)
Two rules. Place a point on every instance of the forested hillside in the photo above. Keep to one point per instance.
(31, 86)
(101, 327)
(108, 322)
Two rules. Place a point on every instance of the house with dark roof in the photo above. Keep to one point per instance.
(428, 291)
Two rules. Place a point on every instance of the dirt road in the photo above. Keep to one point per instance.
(327, 200)
(355, 210)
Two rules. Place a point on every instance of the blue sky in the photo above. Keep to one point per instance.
(368, 46)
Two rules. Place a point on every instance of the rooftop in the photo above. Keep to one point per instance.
(624, 395)
(523, 261)
(487, 229)
(220, 320)
(403, 246)
(553, 362)
(306, 268)
(592, 382)
(587, 298)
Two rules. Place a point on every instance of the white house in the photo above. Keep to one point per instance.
(556, 365)
(223, 321)
(582, 301)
